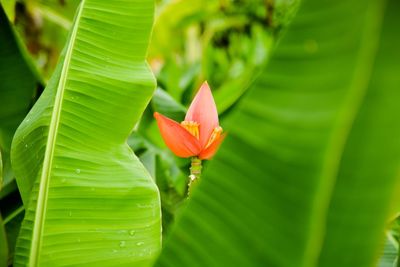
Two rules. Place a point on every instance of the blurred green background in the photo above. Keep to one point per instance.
(225, 42)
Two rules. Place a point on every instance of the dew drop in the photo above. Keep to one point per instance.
(26, 145)
(122, 244)
(79, 240)
(114, 250)
(70, 213)
(132, 232)
(63, 180)
(140, 243)
(78, 171)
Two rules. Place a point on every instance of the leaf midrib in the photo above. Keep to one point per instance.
(347, 115)
(50, 144)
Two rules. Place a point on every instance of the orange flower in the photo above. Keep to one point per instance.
(199, 135)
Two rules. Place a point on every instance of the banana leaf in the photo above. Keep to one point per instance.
(309, 172)
(87, 197)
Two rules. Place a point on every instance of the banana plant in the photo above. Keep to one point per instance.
(88, 199)
(309, 172)
(307, 175)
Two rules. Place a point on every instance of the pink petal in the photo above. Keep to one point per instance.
(212, 149)
(203, 111)
(177, 138)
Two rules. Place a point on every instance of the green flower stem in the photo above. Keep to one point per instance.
(195, 173)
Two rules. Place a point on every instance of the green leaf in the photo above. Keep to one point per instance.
(54, 19)
(3, 245)
(165, 104)
(88, 199)
(7, 178)
(18, 79)
(1, 171)
(243, 73)
(12, 224)
(9, 8)
(60, 13)
(184, 12)
(389, 257)
(166, 171)
(148, 159)
(309, 169)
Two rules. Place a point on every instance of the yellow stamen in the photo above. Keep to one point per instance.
(192, 127)
(214, 135)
